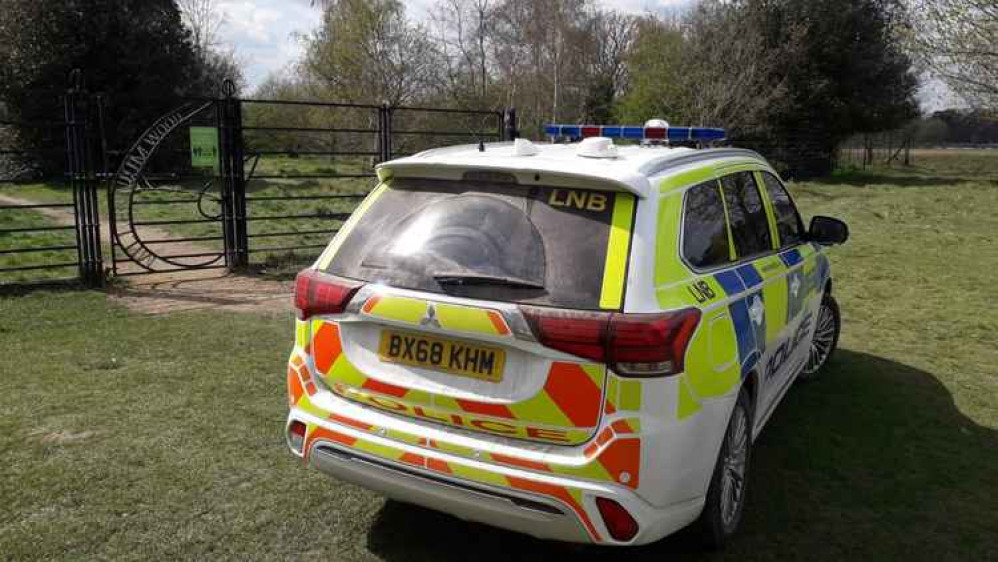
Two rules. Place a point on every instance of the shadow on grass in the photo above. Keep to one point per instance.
(20, 288)
(871, 461)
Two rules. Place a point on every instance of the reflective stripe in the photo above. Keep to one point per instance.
(734, 165)
(686, 404)
(566, 410)
(302, 334)
(730, 281)
(669, 268)
(688, 178)
(348, 226)
(791, 257)
(402, 309)
(630, 395)
(453, 317)
(775, 298)
(471, 320)
(295, 388)
(615, 456)
(617, 251)
(570, 497)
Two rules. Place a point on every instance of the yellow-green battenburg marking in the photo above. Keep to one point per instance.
(617, 251)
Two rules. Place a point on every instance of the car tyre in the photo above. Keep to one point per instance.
(825, 339)
(725, 503)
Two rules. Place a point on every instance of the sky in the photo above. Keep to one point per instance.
(263, 34)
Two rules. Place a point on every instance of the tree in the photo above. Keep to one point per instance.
(707, 68)
(137, 53)
(654, 65)
(956, 39)
(792, 78)
(609, 35)
(368, 50)
(847, 74)
(464, 40)
(541, 59)
(204, 19)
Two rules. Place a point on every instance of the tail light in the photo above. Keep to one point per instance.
(318, 293)
(637, 345)
(618, 521)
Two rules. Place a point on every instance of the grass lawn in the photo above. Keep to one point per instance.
(124, 436)
(61, 239)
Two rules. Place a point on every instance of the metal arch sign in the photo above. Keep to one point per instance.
(129, 181)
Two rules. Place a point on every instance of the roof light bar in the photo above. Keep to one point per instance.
(637, 132)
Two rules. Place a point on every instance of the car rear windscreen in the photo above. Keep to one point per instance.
(493, 241)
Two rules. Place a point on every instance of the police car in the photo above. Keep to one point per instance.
(578, 341)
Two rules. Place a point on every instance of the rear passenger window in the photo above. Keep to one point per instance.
(705, 234)
(788, 223)
(749, 225)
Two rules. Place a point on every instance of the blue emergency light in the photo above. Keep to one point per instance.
(636, 132)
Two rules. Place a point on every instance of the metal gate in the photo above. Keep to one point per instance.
(57, 238)
(232, 183)
(280, 179)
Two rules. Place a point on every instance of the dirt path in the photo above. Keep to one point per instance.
(162, 293)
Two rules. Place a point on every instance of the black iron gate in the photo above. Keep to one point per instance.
(56, 237)
(232, 183)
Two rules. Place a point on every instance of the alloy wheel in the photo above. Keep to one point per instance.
(822, 342)
(734, 464)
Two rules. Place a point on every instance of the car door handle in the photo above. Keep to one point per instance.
(770, 267)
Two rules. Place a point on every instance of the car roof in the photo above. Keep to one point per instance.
(557, 163)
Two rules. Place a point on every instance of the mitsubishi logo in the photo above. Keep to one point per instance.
(431, 317)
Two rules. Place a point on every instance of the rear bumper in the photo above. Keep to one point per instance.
(475, 502)
(357, 445)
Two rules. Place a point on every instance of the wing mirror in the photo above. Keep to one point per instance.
(827, 231)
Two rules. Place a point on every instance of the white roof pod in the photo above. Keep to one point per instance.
(597, 147)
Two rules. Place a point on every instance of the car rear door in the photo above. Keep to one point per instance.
(440, 329)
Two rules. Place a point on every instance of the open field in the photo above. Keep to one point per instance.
(137, 437)
(61, 242)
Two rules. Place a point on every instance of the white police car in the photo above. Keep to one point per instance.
(576, 341)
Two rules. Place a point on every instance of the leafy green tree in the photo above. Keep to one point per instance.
(792, 78)
(136, 52)
(654, 66)
(368, 50)
(704, 69)
(849, 72)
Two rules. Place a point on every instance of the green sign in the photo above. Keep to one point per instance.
(204, 147)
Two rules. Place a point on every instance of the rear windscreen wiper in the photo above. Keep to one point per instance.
(482, 279)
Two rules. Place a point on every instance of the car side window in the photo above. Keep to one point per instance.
(705, 234)
(788, 223)
(749, 224)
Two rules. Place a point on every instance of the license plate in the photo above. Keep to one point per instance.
(450, 356)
